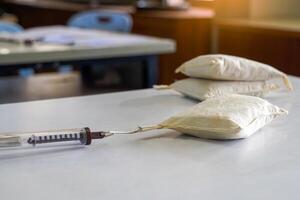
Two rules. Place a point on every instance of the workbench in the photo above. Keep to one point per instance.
(162, 164)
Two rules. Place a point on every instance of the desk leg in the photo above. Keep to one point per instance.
(151, 69)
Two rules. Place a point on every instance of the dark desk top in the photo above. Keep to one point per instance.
(193, 12)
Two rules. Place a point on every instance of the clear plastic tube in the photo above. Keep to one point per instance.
(65, 137)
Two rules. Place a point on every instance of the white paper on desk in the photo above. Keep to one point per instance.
(8, 38)
(73, 40)
(78, 37)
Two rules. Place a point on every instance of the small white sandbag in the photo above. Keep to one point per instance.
(227, 117)
(224, 67)
(202, 89)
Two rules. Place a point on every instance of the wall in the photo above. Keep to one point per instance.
(232, 8)
(258, 8)
(274, 8)
(202, 3)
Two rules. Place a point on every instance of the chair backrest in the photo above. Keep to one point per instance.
(10, 27)
(104, 20)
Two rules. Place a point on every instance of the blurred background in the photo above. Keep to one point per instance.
(264, 30)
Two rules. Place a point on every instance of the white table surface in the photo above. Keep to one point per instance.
(158, 165)
(105, 45)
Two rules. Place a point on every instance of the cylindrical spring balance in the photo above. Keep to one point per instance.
(81, 136)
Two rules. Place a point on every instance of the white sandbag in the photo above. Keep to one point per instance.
(227, 117)
(224, 67)
(202, 89)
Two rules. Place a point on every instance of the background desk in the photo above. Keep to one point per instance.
(116, 47)
(191, 29)
(157, 165)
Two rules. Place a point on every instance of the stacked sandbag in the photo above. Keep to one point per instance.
(218, 75)
(225, 118)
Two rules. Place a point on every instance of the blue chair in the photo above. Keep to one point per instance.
(103, 20)
(15, 28)
(10, 27)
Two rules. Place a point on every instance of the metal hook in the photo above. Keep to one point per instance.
(138, 130)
